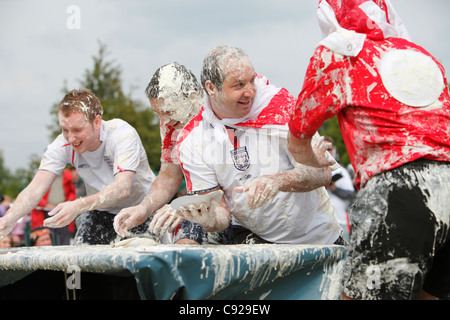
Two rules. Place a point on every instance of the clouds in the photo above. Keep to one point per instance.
(38, 52)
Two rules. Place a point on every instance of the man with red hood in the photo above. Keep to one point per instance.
(392, 102)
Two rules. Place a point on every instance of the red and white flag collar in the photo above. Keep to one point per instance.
(262, 106)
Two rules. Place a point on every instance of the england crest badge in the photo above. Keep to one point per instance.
(240, 158)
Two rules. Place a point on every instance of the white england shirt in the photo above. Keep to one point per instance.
(121, 150)
(211, 158)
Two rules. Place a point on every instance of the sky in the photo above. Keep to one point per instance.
(47, 43)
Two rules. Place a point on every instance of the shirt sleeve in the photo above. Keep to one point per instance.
(56, 156)
(128, 150)
(323, 94)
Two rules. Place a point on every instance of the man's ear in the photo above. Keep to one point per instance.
(98, 122)
(193, 95)
(210, 88)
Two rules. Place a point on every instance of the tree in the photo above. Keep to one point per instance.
(104, 80)
(12, 183)
(4, 175)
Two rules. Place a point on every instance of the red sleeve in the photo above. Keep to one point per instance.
(69, 188)
(323, 93)
(44, 200)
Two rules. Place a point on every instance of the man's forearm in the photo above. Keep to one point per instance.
(25, 202)
(29, 198)
(222, 220)
(311, 152)
(164, 188)
(303, 179)
(110, 196)
(300, 149)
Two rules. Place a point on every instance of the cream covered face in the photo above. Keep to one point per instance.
(81, 133)
(236, 98)
(174, 111)
(177, 100)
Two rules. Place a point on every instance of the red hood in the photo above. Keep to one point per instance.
(346, 24)
(351, 17)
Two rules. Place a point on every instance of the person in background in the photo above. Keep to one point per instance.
(62, 190)
(6, 242)
(40, 212)
(392, 101)
(80, 188)
(40, 237)
(5, 203)
(341, 191)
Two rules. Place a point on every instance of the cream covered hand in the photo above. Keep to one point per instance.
(6, 225)
(211, 217)
(321, 148)
(311, 152)
(165, 219)
(260, 190)
(129, 218)
(63, 214)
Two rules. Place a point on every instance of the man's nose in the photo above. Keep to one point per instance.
(71, 137)
(250, 90)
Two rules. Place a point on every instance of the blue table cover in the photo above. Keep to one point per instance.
(163, 272)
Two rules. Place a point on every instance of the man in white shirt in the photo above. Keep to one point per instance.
(238, 143)
(108, 156)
